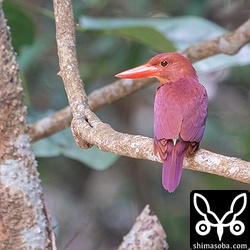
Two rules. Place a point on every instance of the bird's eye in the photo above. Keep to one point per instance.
(164, 63)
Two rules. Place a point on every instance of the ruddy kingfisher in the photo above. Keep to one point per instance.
(180, 111)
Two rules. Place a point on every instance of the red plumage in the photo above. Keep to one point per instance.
(180, 111)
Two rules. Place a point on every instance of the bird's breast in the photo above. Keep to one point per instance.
(180, 95)
(174, 104)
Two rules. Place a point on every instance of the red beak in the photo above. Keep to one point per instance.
(139, 72)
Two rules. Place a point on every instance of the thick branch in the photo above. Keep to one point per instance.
(69, 71)
(136, 146)
(86, 127)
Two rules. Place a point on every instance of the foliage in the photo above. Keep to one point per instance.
(22, 26)
(63, 144)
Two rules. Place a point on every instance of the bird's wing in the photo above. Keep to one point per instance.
(178, 113)
(193, 124)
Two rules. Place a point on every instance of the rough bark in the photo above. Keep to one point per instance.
(147, 233)
(24, 223)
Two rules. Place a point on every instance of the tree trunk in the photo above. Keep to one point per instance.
(24, 223)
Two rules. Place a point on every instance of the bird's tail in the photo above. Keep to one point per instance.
(172, 166)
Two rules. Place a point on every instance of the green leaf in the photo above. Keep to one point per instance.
(28, 54)
(21, 25)
(179, 33)
(147, 36)
(63, 143)
(129, 28)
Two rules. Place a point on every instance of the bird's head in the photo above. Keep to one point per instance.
(166, 67)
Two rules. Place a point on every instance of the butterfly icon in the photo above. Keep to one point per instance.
(203, 227)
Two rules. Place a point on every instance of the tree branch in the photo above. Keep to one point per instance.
(229, 43)
(97, 99)
(88, 129)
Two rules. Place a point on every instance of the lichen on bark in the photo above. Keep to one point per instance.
(24, 223)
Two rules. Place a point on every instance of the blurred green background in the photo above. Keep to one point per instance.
(94, 197)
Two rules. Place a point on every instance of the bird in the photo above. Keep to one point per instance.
(180, 111)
